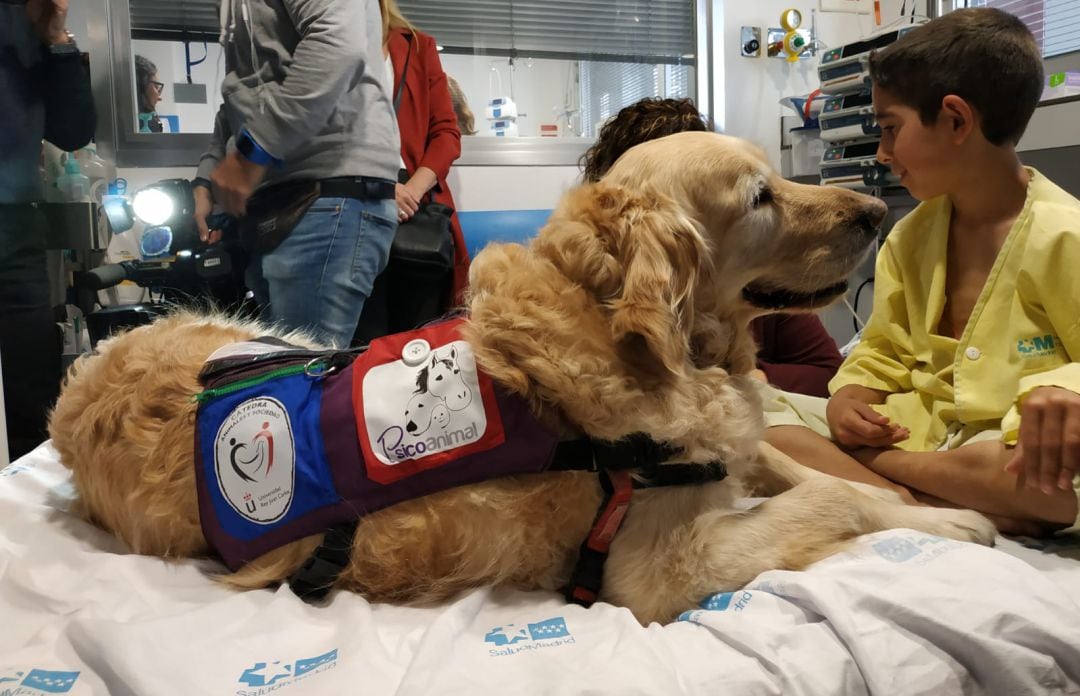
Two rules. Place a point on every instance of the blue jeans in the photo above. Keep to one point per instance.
(318, 278)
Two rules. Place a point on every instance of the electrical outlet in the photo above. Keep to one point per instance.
(750, 42)
(849, 6)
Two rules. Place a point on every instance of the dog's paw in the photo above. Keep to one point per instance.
(962, 525)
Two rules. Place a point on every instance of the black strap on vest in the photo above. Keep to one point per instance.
(313, 580)
(614, 462)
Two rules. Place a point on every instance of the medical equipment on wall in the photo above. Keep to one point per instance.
(793, 43)
(846, 69)
(750, 42)
(503, 128)
(847, 120)
(848, 117)
(855, 166)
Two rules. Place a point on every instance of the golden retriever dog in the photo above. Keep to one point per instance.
(626, 314)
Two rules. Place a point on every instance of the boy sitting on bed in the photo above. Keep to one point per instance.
(964, 388)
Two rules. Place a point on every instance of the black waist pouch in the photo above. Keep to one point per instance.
(272, 213)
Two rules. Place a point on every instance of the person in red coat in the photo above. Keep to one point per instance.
(430, 139)
(795, 352)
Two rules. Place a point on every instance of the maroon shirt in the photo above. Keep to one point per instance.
(796, 353)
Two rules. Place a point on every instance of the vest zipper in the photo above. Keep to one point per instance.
(213, 393)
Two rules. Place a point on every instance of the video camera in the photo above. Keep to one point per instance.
(176, 265)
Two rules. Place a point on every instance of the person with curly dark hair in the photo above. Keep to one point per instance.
(795, 352)
(642, 121)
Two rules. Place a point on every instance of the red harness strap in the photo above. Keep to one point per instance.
(588, 576)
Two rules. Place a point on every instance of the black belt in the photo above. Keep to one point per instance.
(364, 188)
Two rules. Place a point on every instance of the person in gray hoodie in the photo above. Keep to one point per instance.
(305, 100)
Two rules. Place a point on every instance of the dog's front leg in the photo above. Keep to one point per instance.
(672, 553)
(776, 472)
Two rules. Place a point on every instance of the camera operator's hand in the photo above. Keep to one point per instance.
(235, 179)
(204, 205)
(48, 18)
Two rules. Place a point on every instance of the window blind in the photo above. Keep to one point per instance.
(1055, 23)
(628, 31)
(607, 87)
(175, 20)
(642, 31)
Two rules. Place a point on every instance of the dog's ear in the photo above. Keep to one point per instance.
(640, 256)
(652, 316)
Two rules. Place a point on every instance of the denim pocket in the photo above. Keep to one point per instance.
(372, 245)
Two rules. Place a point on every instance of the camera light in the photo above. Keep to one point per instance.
(153, 206)
(118, 213)
(156, 242)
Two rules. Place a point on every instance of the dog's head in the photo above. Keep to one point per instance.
(696, 227)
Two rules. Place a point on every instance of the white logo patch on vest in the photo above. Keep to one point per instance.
(256, 460)
(419, 410)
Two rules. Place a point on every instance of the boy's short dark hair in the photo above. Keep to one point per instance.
(985, 56)
(644, 120)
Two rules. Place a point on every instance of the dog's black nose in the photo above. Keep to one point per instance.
(411, 427)
(869, 218)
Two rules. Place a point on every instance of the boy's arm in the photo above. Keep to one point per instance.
(878, 366)
(972, 476)
(1044, 421)
(882, 360)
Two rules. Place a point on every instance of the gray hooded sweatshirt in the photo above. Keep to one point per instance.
(306, 78)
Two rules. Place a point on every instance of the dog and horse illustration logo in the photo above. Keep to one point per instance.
(440, 390)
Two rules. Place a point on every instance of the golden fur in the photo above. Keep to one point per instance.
(626, 314)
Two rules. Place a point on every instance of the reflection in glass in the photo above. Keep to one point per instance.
(560, 68)
(148, 94)
(177, 85)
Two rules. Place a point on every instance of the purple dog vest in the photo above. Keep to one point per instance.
(290, 442)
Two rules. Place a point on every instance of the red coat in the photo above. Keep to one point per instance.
(429, 129)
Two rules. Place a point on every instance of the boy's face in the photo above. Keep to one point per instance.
(918, 153)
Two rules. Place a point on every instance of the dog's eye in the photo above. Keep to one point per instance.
(764, 197)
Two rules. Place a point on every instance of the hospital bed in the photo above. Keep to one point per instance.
(900, 613)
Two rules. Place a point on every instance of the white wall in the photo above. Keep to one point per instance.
(510, 188)
(753, 87)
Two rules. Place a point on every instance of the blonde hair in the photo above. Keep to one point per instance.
(465, 119)
(392, 18)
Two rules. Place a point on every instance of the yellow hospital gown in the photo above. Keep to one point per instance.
(1023, 333)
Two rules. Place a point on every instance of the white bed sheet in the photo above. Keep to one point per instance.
(901, 613)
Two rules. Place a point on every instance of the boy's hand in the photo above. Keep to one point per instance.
(853, 423)
(1047, 454)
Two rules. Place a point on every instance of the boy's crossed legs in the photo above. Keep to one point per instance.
(971, 476)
